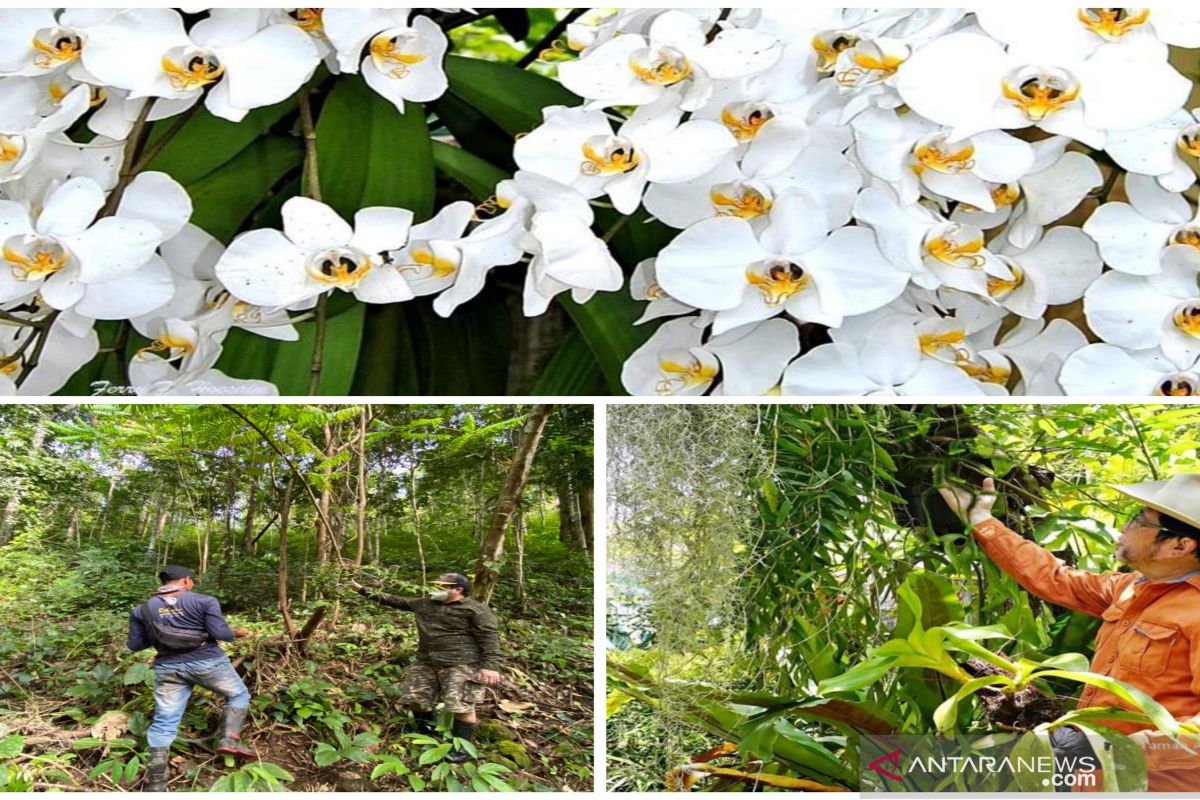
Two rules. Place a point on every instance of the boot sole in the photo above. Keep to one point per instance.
(245, 755)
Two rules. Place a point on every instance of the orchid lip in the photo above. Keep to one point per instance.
(425, 260)
(1001, 288)
(31, 258)
(956, 246)
(54, 46)
(778, 280)
(1179, 384)
(682, 369)
(1112, 24)
(1186, 318)
(867, 64)
(949, 346)
(191, 68)
(828, 45)
(745, 120)
(12, 147)
(339, 266)
(661, 66)
(176, 347)
(744, 199)
(1187, 235)
(1039, 92)
(393, 51)
(1189, 141)
(609, 155)
(939, 154)
(309, 20)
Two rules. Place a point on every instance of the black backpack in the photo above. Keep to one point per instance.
(169, 638)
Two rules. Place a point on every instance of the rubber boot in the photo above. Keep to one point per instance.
(425, 723)
(231, 734)
(465, 731)
(159, 770)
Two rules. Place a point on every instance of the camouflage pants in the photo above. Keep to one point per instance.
(425, 684)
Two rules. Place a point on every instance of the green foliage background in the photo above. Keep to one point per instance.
(846, 520)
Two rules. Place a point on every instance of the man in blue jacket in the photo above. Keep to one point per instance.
(185, 629)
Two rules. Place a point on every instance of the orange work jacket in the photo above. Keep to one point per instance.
(1150, 639)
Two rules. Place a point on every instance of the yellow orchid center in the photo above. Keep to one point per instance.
(1189, 141)
(654, 292)
(867, 64)
(609, 155)
(54, 46)
(1111, 24)
(1039, 93)
(35, 258)
(1000, 288)
(1187, 318)
(1181, 384)
(309, 20)
(685, 369)
(945, 345)
(1006, 194)
(828, 45)
(339, 266)
(11, 148)
(661, 66)
(778, 281)
(956, 246)
(174, 346)
(745, 119)
(740, 199)
(1189, 236)
(194, 70)
(9, 365)
(984, 371)
(439, 267)
(940, 155)
(395, 52)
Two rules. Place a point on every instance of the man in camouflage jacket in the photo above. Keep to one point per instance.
(458, 653)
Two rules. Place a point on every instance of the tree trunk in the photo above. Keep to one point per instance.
(8, 516)
(519, 542)
(508, 501)
(416, 515)
(566, 530)
(112, 485)
(285, 513)
(587, 500)
(164, 510)
(360, 520)
(324, 534)
(73, 529)
(252, 501)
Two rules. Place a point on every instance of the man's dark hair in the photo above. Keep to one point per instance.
(1178, 529)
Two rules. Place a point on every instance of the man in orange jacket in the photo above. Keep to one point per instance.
(1150, 638)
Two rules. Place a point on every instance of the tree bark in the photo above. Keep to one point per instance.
(164, 510)
(519, 542)
(285, 513)
(416, 515)
(112, 485)
(360, 521)
(509, 499)
(587, 500)
(324, 532)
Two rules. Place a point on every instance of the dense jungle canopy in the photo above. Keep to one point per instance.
(760, 556)
(277, 508)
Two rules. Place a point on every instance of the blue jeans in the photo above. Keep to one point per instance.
(173, 686)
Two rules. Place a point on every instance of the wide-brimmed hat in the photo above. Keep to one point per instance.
(1178, 496)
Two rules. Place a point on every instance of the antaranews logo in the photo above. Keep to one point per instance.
(997, 763)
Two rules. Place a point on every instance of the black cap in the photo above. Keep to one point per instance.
(168, 574)
(461, 581)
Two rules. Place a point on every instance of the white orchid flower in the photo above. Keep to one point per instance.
(914, 156)
(889, 361)
(1159, 311)
(1167, 150)
(746, 361)
(644, 287)
(24, 132)
(104, 269)
(634, 70)
(1056, 184)
(242, 67)
(503, 239)
(566, 256)
(1105, 370)
(1055, 271)
(935, 251)
(971, 84)
(430, 262)
(403, 60)
(1080, 31)
(191, 374)
(1134, 236)
(317, 252)
(45, 41)
(748, 190)
(797, 265)
(578, 148)
(70, 343)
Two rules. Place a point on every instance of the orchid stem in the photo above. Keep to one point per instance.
(130, 159)
(160, 144)
(312, 189)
